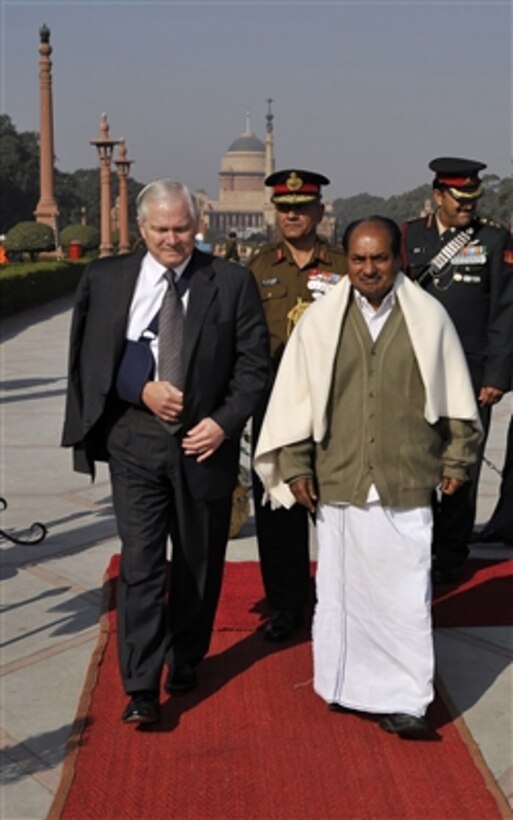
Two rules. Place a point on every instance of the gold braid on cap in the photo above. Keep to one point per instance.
(457, 193)
(294, 315)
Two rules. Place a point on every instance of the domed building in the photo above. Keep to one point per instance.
(244, 202)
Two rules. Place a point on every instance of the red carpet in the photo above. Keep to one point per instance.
(254, 741)
(484, 597)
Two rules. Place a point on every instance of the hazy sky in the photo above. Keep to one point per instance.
(365, 92)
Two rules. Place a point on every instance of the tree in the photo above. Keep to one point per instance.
(19, 174)
(76, 193)
(400, 207)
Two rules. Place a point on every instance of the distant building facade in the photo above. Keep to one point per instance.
(244, 203)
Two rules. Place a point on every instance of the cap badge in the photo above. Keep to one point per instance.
(294, 183)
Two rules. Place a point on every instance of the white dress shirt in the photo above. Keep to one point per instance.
(147, 299)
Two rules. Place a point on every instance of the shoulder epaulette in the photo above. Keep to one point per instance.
(491, 223)
(269, 247)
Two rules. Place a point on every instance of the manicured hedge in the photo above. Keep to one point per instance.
(29, 237)
(87, 235)
(27, 284)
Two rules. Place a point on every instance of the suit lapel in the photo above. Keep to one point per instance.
(202, 292)
(123, 290)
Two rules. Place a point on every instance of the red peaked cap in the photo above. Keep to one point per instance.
(459, 176)
(293, 186)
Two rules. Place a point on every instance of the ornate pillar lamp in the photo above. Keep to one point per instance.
(269, 217)
(123, 164)
(105, 147)
(46, 211)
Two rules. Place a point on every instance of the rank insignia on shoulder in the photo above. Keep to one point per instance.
(508, 256)
(321, 281)
(266, 282)
(490, 222)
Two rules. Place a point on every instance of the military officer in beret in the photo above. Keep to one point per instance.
(466, 262)
(291, 272)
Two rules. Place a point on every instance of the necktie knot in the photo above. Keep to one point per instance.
(170, 277)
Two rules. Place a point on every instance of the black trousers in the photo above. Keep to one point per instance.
(282, 538)
(162, 617)
(501, 522)
(454, 515)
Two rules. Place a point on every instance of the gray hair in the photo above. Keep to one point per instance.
(165, 190)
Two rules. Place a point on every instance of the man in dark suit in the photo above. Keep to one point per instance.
(164, 402)
(466, 262)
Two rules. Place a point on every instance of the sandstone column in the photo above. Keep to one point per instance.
(123, 164)
(105, 147)
(46, 210)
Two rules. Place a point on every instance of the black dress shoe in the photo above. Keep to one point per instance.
(282, 626)
(406, 726)
(143, 708)
(446, 575)
(181, 679)
(486, 536)
(337, 707)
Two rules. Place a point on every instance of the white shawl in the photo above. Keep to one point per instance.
(299, 400)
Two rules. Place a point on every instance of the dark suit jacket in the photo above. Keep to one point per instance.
(226, 361)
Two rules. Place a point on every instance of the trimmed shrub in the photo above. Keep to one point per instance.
(28, 284)
(30, 237)
(87, 235)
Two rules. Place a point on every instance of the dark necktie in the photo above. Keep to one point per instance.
(170, 342)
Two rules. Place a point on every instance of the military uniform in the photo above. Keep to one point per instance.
(282, 534)
(476, 288)
(283, 285)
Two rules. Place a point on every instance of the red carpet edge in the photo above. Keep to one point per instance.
(80, 721)
(474, 751)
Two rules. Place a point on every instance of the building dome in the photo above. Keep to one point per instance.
(247, 142)
(243, 204)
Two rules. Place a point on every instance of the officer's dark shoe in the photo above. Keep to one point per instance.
(181, 679)
(406, 726)
(282, 626)
(484, 535)
(446, 575)
(142, 708)
(488, 536)
(337, 707)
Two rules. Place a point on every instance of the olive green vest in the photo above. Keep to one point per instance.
(377, 433)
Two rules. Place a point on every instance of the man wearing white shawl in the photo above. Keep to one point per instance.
(372, 409)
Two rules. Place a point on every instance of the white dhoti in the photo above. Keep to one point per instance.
(372, 634)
